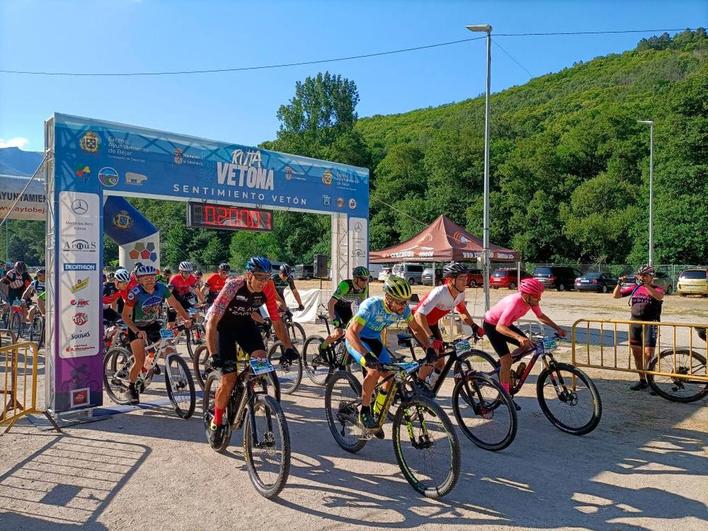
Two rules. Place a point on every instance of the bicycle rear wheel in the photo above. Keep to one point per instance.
(180, 386)
(36, 333)
(116, 372)
(316, 363)
(684, 362)
(477, 361)
(426, 447)
(569, 399)
(210, 386)
(484, 412)
(289, 372)
(297, 335)
(342, 400)
(194, 337)
(266, 445)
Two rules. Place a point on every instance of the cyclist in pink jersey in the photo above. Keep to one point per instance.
(437, 304)
(498, 324)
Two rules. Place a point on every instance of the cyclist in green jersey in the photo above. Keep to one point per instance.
(345, 302)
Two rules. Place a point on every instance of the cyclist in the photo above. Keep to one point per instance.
(363, 339)
(115, 293)
(345, 302)
(183, 285)
(140, 314)
(36, 287)
(17, 280)
(436, 304)
(284, 279)
(229, 322)
(500, 330)
(216, 282)
(645, 301)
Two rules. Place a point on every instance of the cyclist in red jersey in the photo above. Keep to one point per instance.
(183, 285)
(216, 282)
(436, 304)
(229, 322)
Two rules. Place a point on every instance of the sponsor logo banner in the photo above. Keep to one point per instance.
(80, 267)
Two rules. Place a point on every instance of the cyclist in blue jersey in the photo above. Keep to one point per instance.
(141, 314)
(363, 338)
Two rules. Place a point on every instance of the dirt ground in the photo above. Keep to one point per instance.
(643, 467)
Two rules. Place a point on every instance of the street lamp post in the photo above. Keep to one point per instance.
(650, 123)
(486, 28)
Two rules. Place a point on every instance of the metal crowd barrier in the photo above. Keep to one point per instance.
(605, 344)
(19, 379)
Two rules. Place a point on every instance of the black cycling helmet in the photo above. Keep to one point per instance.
(224, 267)
(286, 270)
(20, 267)
(454, 269)
(258, 264)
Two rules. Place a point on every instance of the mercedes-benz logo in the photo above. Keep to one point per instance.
(79, 207)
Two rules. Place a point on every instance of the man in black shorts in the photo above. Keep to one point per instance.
(229, 322)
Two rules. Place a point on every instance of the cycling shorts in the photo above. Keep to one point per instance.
(110, 315)
(375, 347)
(246, 335)
(499, 341)
(635, 335)
(152, 329)
(186, 304)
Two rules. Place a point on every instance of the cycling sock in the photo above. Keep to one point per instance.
(506, 387)
(218, 415)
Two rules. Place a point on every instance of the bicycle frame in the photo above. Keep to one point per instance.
(400, 376)
(539, 351)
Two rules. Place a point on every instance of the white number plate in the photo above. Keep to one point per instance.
(167, 333)
(261, 367)
(408, 366)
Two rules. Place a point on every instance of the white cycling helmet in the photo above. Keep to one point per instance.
(145, 270)
(122, 275)
(186, 266)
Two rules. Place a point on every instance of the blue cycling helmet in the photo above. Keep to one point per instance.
(258, 264)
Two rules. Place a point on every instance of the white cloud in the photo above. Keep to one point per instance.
(18, 142)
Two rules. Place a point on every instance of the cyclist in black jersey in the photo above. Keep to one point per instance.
(345, 302)
(284, 279)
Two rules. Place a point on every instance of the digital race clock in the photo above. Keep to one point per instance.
(212, 216)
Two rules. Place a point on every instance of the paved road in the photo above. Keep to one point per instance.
(643, 467)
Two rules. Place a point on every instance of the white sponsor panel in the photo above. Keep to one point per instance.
(358, 243)
(79, 275)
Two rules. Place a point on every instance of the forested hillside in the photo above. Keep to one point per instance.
(569, 164)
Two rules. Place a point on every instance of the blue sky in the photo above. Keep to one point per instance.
(240, 107)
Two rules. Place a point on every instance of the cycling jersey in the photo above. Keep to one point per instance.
(183, 286)
(348, 296)
(38, 287)
(374, 317)
(113, 295)
(644, 306)
(215, 283)
(16, 284)
(146, 306)
(438, 302)
(236, 302)
(110, 294)
(509, 309)
(281, 284)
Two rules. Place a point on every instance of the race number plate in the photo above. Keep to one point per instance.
(408, 366)
(261, 367)
(462, 346)
(167, 333)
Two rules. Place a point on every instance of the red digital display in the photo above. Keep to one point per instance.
(211, 216)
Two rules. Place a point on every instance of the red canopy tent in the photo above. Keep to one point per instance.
(442, 241)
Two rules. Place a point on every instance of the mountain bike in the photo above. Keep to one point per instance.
(567, 396)
(319, 366)
(266, 438)
(681, 361)
(421, 429)
(178, 378)
(36, 329)
(484, 412)
(195, 334)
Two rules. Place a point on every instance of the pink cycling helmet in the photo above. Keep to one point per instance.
(531, 286)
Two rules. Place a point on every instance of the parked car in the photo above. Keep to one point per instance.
(430, 277)
(384, 273)
(474, 278)
(558, 277)
(692, 282)
(660, 279)
(599, 282)
(413, 273)
(505, 278)
(303, 271)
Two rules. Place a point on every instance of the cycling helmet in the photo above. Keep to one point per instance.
(454, 269)
(198, 273)
(286, 270)
(360, 272)
(20, 267)
(531, 286)
(646, 269)
(145, 270)
(41, 271)
(122, 275)
(186, 266)
(258, 264)
(398, 288)
(224, 267)
(137, 266)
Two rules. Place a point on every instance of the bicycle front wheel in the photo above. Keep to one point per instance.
(426, 447)
(211, 384)
(289, 372)
(316, 365)
(180, 386)
(484, 412)
(342, 400)
(116, 373)
(37, 331)
(569, 399)
(201, 363)
(194, 337)
(266, 445)
(297, 335)
(686, 363)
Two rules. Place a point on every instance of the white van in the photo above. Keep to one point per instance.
(413, 273)
(375, 270)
